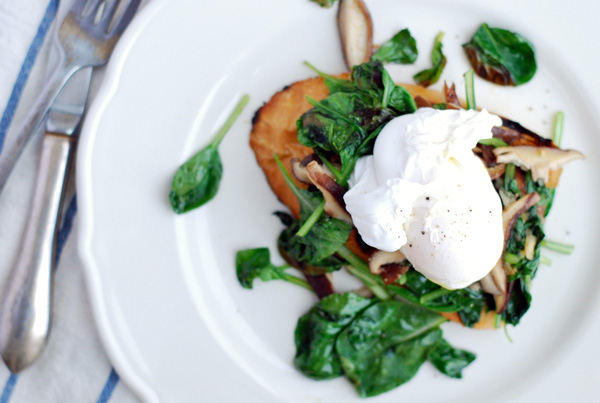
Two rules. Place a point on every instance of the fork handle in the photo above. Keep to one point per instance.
(26, 312)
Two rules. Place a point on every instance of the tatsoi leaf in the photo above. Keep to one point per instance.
(386, 344)
(317, 330)
(402, 48)
(500, 56)
(432, 75)
(449, 360)
(197, 180)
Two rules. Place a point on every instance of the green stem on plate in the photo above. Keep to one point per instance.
(230, 120)
(470, 89)
(360, 269)
(559, 120)
(558, 247)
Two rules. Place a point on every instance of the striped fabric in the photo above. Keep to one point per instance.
(74, 367)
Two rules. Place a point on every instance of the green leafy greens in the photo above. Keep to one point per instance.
(324, 3)
(256, 263)
(432, 75)
(315, 250)
(501, 56)
(377, 345)
(197, 180)
(346, 123)
(401, 48)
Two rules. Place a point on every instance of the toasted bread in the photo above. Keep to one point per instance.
(274, 132)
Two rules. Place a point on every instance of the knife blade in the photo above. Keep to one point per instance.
(25, 315)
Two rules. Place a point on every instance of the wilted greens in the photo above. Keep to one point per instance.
(256, 263)
(432, 75)
(377, 345)
(500, 56)
(401, 48)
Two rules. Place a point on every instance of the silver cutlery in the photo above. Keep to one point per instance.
(25, 316)
(85, 38)
(87, 35)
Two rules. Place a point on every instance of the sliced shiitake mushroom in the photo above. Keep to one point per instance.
(390, 265)
(356, 31)
(299, 171)
(452, 101)
(495, 282)
(333, 192)
(539, 160)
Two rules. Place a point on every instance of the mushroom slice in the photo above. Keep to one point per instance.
(452, 101)
(496, 171)
(495, 283)
(530, 244)
(321, 284)
(513, 134)
(299, 171)
(333, 193)
(540, 160)
(382, 258)
(392, 271)
(356, 31)
(514, 210)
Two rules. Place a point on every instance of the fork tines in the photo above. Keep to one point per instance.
(99, 15)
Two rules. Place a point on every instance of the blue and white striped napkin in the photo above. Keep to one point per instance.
(74, 366)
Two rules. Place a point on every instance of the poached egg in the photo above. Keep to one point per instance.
(425, 193)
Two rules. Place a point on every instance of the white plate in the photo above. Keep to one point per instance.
(171, 314)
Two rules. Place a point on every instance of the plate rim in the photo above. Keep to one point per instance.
(89, 131)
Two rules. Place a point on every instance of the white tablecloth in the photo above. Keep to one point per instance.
(74, 366)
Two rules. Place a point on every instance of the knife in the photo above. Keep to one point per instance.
(25, 315)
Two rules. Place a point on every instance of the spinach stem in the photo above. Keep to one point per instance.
(506, 333)
(314, 217)
(433, 295)
(316, 70)
(559, 120)
(558, 247)
(511, 258)
(493, 142)
(294, 280)
(230, 120)
(336, 172)
(360, 269)
(545, 260)
(497, 320)
(470, 89)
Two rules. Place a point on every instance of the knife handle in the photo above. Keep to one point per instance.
(26, 311)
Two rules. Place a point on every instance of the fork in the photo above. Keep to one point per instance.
(85, 38)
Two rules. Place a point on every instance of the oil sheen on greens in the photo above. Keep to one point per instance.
(500, 56)
(378, 345)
